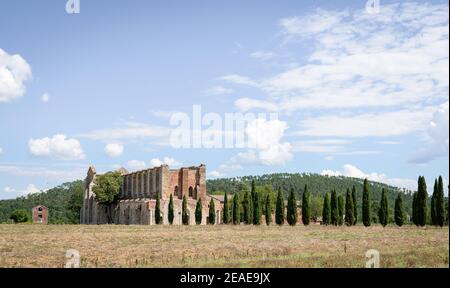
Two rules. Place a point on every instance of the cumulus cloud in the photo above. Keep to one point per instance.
(1, 150)
(136, 164)
(219, 90)
(395, 58)
(436, 138)
(167, 160)
(31, 188)
(8, 189)
(14, 72)
(265, 146)
(114, 149)
(45, 97)
(352, 171)
(58, 147)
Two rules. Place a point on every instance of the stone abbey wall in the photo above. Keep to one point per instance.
(138, 196)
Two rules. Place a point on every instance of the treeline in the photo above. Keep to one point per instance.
(325, 192)
(64, 203)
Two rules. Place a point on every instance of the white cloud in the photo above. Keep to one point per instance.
(31, 188)
(136, 164)
(383, 124)
(265, 146)
(45, 97)
(219, 90)
(132, 130)
(396, 58)
(1, 150)
(352, 171)
(263, 55)
(8, 189)
(437, 137)
(167, 160)
(238, 79)
(114, 149)
(58, 147)
(14, 71)
(215, 174)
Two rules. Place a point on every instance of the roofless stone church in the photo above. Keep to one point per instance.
(138, 196)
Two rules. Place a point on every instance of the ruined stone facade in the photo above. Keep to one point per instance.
(40, 214)
(138, 196)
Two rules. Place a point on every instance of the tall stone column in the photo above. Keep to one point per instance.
(133, 185)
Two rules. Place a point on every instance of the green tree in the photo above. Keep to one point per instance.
(433, 203)
(212, 212)
(422, 196)
(326, 213)
(341, 208)
(248, 217)
(184, 211)
(226, 210)
(366, 204)
(198, 212)
(349, 209)
(268, 210)
(292, 216)
(158, 218)
(355, 205)
(306, 213)
(257, 211)
(279, 209)
(236, 209)
(415, 212)
(107, 191)
(170, 213)
(75, 203)
(19, 216)
(334, 208)
(399, 210)
(383, 212)
(440, 203)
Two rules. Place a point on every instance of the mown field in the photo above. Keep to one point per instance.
(222, 246)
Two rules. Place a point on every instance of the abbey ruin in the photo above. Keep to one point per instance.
(138, 196)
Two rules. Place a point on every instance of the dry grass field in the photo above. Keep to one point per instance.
(222, 246)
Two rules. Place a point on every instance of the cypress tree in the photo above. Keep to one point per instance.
(306, 213)
(226, 210)
(198, 212)
(422, 196)
(326, 212)
(248, 208)
(334, 208)
(414, 209)
(279, 209)
(440, 203)
(399, 211)
(212, 212)
(236, 209)
(170, 213)
(383, 213)
(355, 205)
(341, 208)
(268, 210)
(349, 209)
(366, 204)
(184, 212)
(292, 216)
(257, 211)
(158, 218)
(433, 204)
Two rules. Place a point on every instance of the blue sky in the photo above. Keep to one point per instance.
(357, 94)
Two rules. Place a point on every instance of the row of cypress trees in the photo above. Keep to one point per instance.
(337, 210)
(184, 211)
